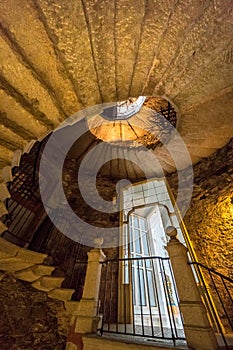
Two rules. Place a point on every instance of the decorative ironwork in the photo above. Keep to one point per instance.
(217, 295)
(124, 314)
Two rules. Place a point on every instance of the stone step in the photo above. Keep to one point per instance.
(71, 306)
(3, 210)
(47, 283)
(33, 273)
(3, 227)
(6, 174)
(63, 294)
(4, 193)
(13, 264)
(29, 255)
(7, 249)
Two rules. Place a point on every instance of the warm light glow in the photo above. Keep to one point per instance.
(142, 128)
(117, 131)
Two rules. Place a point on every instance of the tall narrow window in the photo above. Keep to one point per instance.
(147, 278)
(142, 274)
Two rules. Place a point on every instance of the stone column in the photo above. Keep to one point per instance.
(199, 334)
(84, 320)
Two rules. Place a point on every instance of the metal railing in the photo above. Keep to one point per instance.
(69, 257)
(29, 226)
(217, 295)
(138, 297)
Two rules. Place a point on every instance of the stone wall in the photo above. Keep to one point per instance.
(209, 217)
(209, 222)
(29, 319)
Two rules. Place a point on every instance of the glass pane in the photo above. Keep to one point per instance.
(143, 224)
(145, 244)
(151, 288)
(137, 246)
(133, 285)
(137, 243)
(148, 263)
(142, 295)
(126, 269)
(135, 221)
(131, 239)
(140, 261)
(130, 220)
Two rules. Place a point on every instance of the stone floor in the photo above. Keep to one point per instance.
(135, 334)
(147, 341)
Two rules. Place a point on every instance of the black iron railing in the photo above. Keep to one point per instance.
(30, 227)
(217, 294)
(69, 257)
(138, 297)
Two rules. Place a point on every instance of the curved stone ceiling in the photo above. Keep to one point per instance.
(57, 57)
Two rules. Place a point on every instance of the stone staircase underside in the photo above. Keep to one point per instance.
(54, 63)
(28, 266)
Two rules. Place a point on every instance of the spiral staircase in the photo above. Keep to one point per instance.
(58, 58)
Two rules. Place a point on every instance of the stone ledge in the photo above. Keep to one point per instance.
(62, 294)
(93, 342)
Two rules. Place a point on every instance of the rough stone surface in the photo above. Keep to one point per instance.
(209, 222)
(209, 217)
(29, 319)
(57, 57)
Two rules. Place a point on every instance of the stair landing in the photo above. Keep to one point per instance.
(93, 342)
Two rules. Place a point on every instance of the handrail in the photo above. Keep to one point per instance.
(212, 270)
(142, 301)
(224, 300)
(138, 258)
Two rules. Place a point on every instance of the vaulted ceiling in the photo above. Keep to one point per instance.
(58, 57)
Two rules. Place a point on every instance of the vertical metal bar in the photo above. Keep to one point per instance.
(148, 294)
(45, 243)
(176, 293)
(20, 214)
(37, 161)
(70, 265)
(99, 296)
(170, 301)
(119, 267)
(219, 297)
(110, 297)
(229, 294)
(211, 305)
(157, 297)
(140, 293)
(132, 288)
(104, 298)
(22, 225)
(173, 324)
(106, 291)
(166, 297)
(74, 266)
(125, 324)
